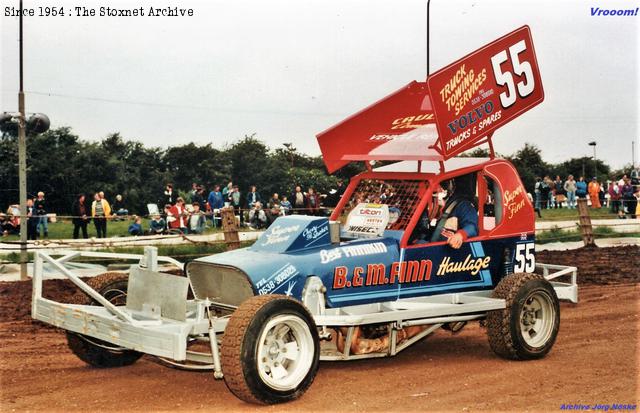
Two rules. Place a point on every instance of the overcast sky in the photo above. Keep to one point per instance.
(288, 69)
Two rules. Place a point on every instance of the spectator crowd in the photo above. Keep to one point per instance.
(621, 196)
(173, 213)
(198, 209)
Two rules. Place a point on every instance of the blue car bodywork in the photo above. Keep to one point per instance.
(360, 271)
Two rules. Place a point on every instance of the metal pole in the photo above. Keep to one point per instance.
(428, 29)
(595, 162)
(22, 166)
(633, 155)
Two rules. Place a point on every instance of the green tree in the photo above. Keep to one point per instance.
(584, 166)
(190, 163)
(528, 161)
(251, 164)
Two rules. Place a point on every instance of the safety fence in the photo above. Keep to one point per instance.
(567, 232)
(114, 240)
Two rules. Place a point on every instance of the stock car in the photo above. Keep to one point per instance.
(375, 277)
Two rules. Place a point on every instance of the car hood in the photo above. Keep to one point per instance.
(272, 272)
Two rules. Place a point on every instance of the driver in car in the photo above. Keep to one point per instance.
(460, 213)
(454, 220)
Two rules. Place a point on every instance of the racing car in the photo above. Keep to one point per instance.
(421, 240)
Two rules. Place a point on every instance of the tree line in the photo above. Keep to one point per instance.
(63, 165)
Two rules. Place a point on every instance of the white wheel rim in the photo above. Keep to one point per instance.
(537, 319)
(285, 352)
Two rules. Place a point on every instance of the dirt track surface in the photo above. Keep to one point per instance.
(593, 361)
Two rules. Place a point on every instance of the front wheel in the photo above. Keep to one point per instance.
(270, 350)
(527, 328)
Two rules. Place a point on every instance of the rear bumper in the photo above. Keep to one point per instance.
(565, 290)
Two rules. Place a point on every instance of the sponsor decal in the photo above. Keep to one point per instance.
(471, 265)
(277, 279)
(382, 137)
(484, 90)
(373, 221)
(375, 211)
(406, 136)
(461, 87)
(369, 219)
(362, 229)
(277, 234)
(375, 274)
(514, 201)
(315, 232)
(327, 256)
(408, 121)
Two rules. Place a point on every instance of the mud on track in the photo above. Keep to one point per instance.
(594, 361)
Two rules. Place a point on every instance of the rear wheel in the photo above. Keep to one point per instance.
(527, 328)
(270, 350)
(95, 352)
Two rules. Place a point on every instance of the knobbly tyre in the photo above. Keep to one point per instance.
(371, 280)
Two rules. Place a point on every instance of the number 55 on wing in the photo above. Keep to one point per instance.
(484, 90)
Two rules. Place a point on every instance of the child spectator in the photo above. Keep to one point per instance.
(158, 225)
(285, 205)
(135, 228)
(196, 220)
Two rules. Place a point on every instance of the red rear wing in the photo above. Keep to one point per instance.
(458, 108)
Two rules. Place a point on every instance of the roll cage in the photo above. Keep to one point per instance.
(489, 184)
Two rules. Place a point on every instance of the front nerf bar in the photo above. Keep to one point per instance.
(121, 326)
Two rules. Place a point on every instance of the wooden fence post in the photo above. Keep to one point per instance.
(585, 223)
(230, 228)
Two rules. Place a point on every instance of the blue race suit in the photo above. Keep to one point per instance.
(467, 219)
